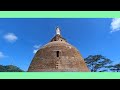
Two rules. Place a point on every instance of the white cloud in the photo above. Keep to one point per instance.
(115, 24)
(34, 51)
(2, 55)
(10, 37)
(36, 48)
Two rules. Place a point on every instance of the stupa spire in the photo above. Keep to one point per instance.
(58, 30)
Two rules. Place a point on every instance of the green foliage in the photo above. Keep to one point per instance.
(2, 68)
(10, 68)
(115, 68)
(97, 63)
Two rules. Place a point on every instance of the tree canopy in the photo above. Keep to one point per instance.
(114, 68)
(10, 68)
(97, 63)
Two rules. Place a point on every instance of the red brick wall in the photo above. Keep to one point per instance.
(69, 59)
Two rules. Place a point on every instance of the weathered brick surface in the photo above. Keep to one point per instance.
(69, 59)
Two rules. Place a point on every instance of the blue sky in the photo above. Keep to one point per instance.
(20, 38)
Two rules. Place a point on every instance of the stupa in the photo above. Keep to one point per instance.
(58, 56)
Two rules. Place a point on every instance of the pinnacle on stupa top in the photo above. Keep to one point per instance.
(58, 36)
(58, 31)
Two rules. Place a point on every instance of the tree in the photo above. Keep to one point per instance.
(2, 68)
(97, 63)
(115, 68)
(10, 68)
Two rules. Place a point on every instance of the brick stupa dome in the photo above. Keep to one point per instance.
(58, 56)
